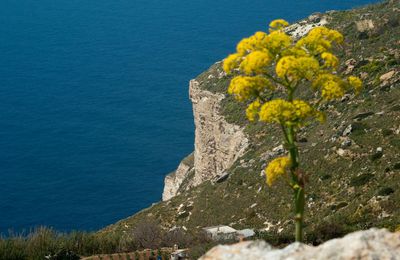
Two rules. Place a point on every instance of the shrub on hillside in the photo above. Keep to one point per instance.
(43, 242)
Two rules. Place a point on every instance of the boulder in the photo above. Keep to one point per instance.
(365, 25)
(387, 76)
(369, 244)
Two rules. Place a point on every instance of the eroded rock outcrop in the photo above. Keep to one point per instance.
(370, 244)
(175, 180)
(218, 144)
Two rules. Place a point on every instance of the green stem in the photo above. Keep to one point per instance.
(293, 151)
(299, 202)
(285, 133)
(297, 180)
(299, 197)
(277, 81)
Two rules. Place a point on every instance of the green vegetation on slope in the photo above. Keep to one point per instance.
(351, 161)
(46, 242)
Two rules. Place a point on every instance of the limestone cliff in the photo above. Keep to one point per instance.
(175, 180)
(218, 144)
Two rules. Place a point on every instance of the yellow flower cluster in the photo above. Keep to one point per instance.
(284, 66)
(278, 24)
(277, 41)
(232, 62)
(256, 42)
(331, 86)
(293, 113)
(332, 90)
(252, 110)
(356, 83)
(259, 50)
(302, 109)
(293, 69)
(277, 168)
(276, 111)
(330, 60)
(294, 51)
(320, 40)
(256, 63)
(309, 59)
(243, 87)
(325, 33)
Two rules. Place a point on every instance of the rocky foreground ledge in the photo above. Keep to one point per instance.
(374, 244)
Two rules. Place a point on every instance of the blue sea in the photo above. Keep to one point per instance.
(94, 108)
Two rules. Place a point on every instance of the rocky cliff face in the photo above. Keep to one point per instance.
(218, 144)
(175, 180)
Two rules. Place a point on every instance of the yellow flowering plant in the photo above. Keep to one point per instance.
(267, 65)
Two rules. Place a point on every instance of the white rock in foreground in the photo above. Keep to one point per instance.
(374, 244)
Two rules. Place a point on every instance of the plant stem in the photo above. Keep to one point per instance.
(299, 197)
(293, 151)
(297, 179)
(299, 202)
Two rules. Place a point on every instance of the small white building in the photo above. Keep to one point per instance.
(245, 233)
(221, 232)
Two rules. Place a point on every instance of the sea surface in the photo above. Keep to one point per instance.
(94, 108)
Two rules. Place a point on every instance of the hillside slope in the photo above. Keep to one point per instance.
(352, 160)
